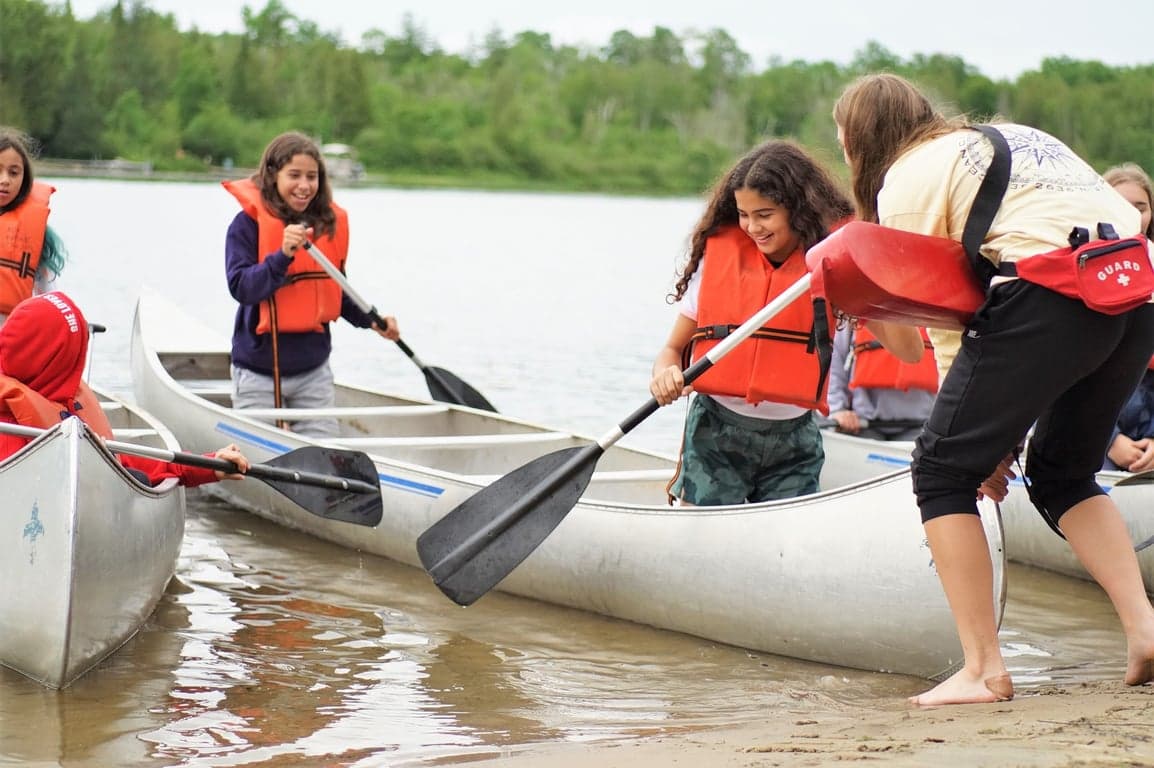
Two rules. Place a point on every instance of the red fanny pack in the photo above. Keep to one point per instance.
(1108, 275)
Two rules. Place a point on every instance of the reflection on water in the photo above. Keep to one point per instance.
(271, 648)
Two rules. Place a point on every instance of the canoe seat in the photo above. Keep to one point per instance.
(632, 476)
(208, 387)
(124, 433)
(339, 412)
(453, 441)
(608, 476)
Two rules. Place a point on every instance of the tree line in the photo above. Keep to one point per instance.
(660, 114)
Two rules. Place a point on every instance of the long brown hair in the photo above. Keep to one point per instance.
(279, 153)
(780, 171)
(881, 116)
(1134, 174)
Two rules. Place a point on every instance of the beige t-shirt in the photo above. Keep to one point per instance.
(930, 188)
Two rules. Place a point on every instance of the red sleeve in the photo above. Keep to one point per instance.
(160, 470)
(9, 444)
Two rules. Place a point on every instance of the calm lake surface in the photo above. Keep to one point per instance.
(271, 648)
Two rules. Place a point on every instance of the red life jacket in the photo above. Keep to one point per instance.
(309, 298)
(23, 405)
(874, 367)
(779, 363)
(22, 232)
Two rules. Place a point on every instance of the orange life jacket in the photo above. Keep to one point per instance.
(874, 367)
(309, 298)
(21, 242)
(779, 363)
(29, 408)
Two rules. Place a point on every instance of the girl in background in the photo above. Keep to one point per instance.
(1132, 446)
(31, 253)
(281, 339)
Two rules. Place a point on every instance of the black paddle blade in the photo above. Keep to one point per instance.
(448, 388)
(469, 550)
(331, 503)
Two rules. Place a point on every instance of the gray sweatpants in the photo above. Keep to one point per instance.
(311, 389)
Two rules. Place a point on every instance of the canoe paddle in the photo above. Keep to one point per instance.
(443, 385)
(326, 482)
(481, 540)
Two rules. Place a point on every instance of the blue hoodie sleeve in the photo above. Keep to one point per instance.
(251, 281)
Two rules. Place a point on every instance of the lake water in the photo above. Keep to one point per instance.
(271, 648)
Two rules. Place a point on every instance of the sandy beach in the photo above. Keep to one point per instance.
(1095, 724)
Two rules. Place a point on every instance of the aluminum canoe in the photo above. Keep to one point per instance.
(87, 550)
(842, 577)
(1028, 539)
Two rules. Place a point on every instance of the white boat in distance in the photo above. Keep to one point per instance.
(88, 549)
(841, 577)
(1028, 539)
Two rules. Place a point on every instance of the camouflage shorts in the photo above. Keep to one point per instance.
(728, 458)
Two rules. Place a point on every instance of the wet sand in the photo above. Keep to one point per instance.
(1092, 724)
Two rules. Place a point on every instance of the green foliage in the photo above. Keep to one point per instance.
(655, 114)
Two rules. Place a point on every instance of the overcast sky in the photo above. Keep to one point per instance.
(1002, 38)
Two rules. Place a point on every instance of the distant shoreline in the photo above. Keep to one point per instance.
(128, 170)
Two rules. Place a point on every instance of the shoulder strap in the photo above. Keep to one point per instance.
(987, 202)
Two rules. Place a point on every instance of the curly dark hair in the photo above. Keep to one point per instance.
(279, 153)
(783, 172)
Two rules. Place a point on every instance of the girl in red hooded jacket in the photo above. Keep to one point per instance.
(43, 347)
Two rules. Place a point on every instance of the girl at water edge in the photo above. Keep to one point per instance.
(31, 253)
(281, 339)
(1030, 355)
(750, 434)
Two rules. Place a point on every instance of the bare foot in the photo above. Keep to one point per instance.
(1139, 671)
(964, 688)
(1140, 653)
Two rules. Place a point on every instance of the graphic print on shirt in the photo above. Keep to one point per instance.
(1039, 160)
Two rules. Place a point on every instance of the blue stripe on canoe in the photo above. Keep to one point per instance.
(393, 482)
(882, 458)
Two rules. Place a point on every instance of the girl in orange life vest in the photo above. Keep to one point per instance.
(750, 434)
(874, 395)
(1029, 356)
(281, 340)
(1132, 446)
(42, 352)
(31, 253)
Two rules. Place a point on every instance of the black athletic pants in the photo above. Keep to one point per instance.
(1030, 355)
